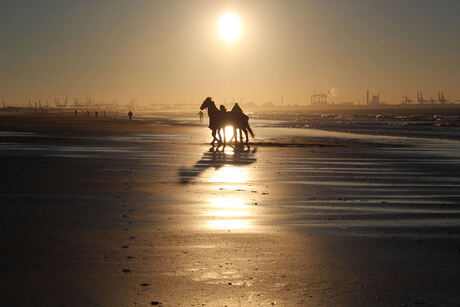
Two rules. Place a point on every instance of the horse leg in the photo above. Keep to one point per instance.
(216, 134)
(247, 137)
(213, 136)
(241, 135)
(220, 137)
(234, 136)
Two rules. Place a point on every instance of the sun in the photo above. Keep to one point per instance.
(229, 27)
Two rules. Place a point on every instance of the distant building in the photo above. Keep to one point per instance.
(318, 99)
(375, 99)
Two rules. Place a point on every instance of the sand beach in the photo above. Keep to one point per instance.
(115, 213)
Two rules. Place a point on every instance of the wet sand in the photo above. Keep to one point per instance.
(112, 213)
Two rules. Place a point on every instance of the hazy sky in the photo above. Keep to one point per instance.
(171, 50)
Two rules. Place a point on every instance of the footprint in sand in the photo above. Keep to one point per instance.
(125, 246)
(126, 270)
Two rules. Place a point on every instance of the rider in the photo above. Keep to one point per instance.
(223, 112)
(236, 108)
(240, 117)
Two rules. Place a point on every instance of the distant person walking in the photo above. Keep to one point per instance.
(96, 113)
(76, 113)
(87, 114)
(201, 115)
(130, 115)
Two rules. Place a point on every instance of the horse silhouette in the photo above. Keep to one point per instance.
(220, 119)
(217, 158)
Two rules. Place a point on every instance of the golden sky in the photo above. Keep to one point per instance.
(172, 51)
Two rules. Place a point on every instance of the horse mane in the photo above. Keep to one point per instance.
(212, 103)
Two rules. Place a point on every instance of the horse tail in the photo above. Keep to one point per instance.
(250, 130)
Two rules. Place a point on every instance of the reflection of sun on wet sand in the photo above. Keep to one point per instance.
(229, 224)
(230, 213)
(110, 213)
(223, 160)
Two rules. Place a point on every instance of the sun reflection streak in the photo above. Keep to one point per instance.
(231, 213)
(230, 174)
(229, 224)
(229, 203)
(229, 151)
(229, 207)
(228, 213)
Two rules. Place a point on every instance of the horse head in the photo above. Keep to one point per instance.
(206, 103)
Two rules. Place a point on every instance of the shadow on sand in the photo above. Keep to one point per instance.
(216, 157)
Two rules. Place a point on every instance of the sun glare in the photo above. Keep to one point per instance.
(229, 27)
(229, 207)
(231, 174)
(231, 213)
(228, 133)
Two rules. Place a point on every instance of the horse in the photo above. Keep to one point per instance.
(219, 120)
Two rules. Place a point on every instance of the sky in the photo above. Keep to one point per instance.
(170, 51)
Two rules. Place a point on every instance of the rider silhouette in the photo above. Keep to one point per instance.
(236, 108)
